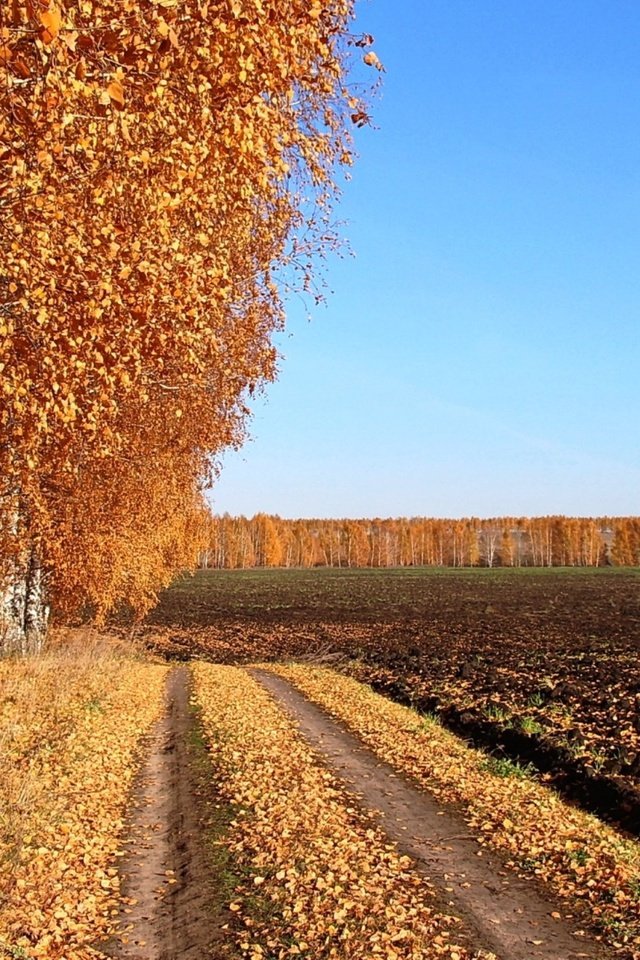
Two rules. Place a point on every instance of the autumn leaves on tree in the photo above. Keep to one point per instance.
(271, 541)
(161, 164)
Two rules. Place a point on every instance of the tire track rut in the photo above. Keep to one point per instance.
(170, 908)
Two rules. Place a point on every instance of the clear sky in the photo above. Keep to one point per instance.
(480, 354)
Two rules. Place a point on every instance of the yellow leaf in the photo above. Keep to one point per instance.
(51, 20)
(371, 59)
(116, 92)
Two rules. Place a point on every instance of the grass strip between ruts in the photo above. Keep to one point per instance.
(70, 725)
(318, 879)
(581, 858)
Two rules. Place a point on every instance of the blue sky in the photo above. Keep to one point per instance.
(479, 354)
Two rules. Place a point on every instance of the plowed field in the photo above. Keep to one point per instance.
(541, 666)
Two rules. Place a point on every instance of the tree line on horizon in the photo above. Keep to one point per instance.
(266, 540)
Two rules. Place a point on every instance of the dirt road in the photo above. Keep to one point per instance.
(174, 908)
(173, 912)
(503, 913)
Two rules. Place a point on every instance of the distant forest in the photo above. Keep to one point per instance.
(270, 541)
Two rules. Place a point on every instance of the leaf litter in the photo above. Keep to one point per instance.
(70, 727)
(320, 880)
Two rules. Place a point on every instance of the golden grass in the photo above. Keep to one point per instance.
(70, 723)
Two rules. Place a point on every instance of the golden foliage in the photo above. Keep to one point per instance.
(424, 541)
(159, 163)
(331, 883)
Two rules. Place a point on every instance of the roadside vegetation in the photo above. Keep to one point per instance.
(71, 724)
(298, 868)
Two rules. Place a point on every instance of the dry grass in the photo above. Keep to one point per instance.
(40, 698)
(70, 721)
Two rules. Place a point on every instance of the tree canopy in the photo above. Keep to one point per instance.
(160, 163)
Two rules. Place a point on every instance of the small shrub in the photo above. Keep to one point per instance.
(530, 726)
(495, 712)
(536, 699)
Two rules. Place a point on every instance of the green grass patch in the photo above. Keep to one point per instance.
(530, 726)
(224, 872)
(503, 767)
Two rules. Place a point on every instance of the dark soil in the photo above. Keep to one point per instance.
(615, 799)
(541, 665)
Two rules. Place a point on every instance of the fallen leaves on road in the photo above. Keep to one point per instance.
(69, 728)
(581, 858)
(321, 881)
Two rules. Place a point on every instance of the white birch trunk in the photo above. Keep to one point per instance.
(24, 612)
